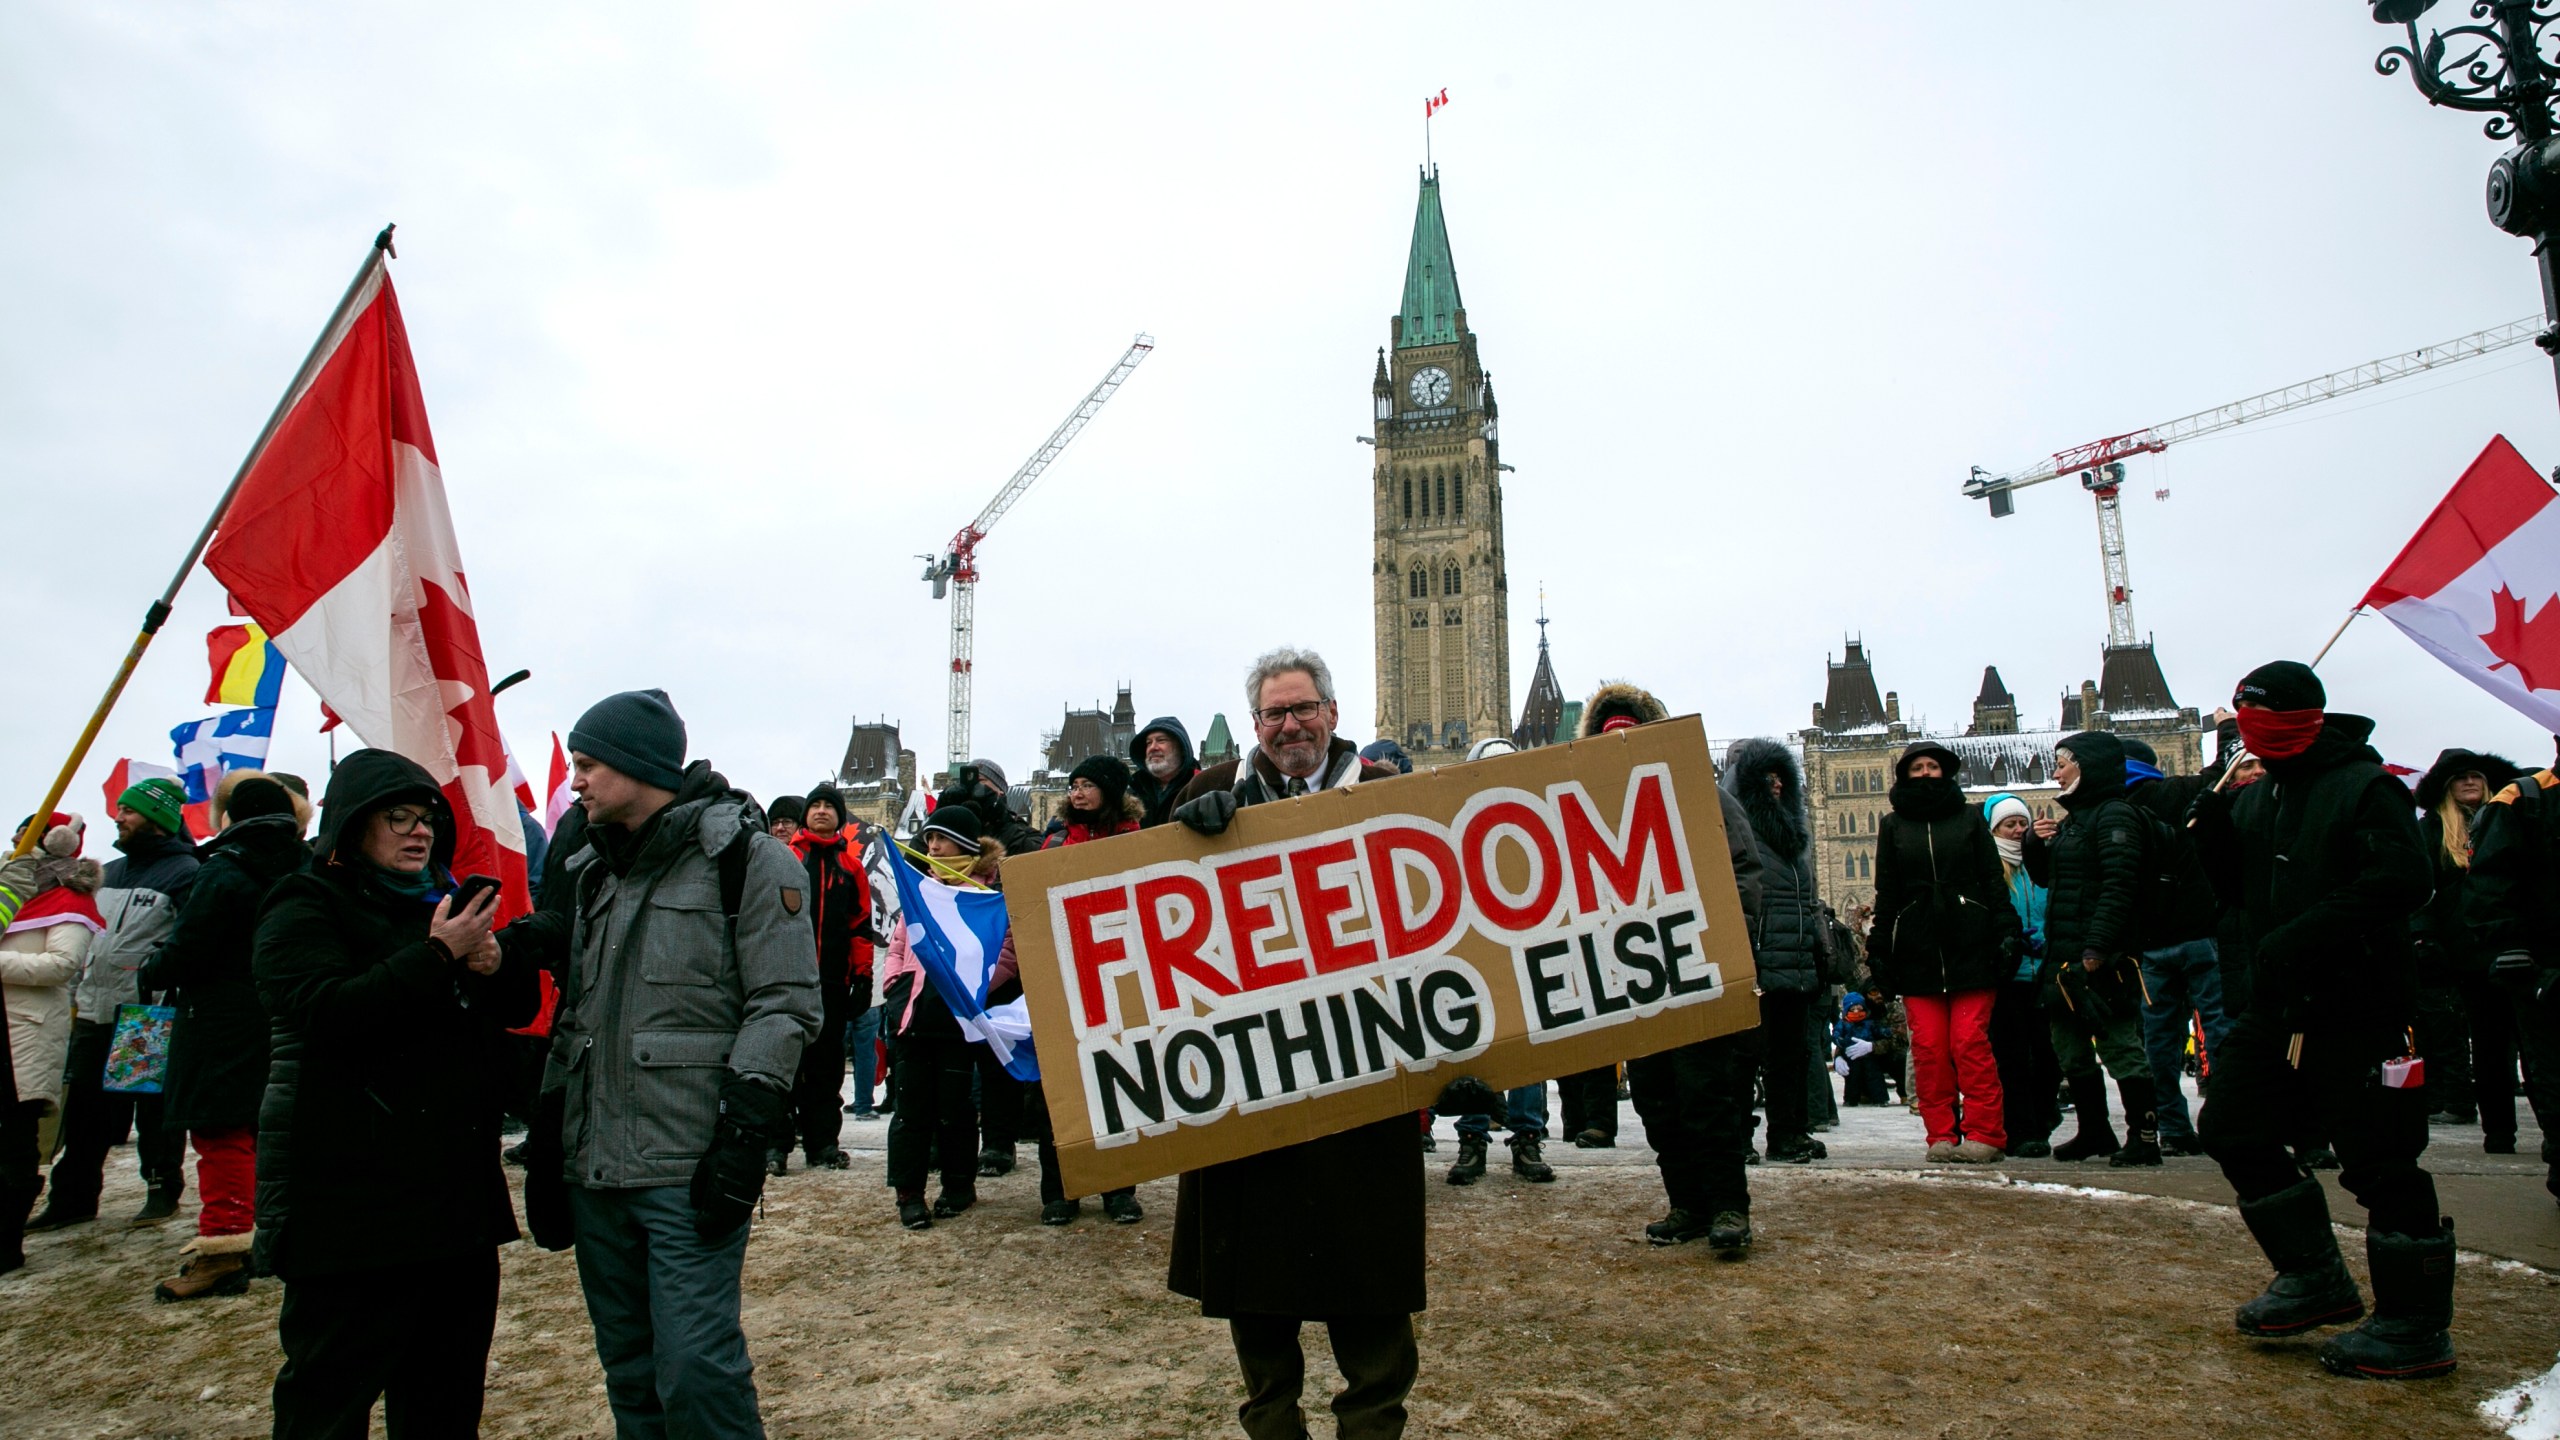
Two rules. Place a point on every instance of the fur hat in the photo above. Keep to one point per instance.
(786, 809)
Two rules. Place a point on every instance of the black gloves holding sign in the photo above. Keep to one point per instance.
(730, 1179)
(1210, 814)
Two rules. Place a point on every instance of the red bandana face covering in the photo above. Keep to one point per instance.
(2279, 734)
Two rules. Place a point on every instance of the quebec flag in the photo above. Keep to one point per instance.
(956, 935)
(207, 749)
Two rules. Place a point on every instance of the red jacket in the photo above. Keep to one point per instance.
(839, 908)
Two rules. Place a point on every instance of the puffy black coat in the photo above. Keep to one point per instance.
(2445, 949)
(2329, 929)
(218, 1050)
(1943, 921)
(1791, 940)
(378, 1134)
(2092, 867)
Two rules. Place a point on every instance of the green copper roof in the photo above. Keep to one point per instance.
(1219, 741)
(1430, 277)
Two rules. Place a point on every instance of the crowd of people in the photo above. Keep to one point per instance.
(701, 973)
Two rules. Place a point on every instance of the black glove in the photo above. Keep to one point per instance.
(1210, 814)
(729, 1181)
(1468, 1095)
(2209, 809)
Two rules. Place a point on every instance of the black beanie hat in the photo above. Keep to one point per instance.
(637, 732)
(1110, 776)
(2141, 750)
(955, 819)
(824, 793)
(2282, 685)
(788, 808)
(257, 796)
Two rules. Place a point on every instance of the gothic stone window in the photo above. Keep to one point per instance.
(1458, 499)
(1451, 582)
(1451, 616)
(1408, 497)
(1421, 620)
(1440, 495)
(1418, 584)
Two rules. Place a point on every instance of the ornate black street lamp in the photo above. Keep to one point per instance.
(2506, 62)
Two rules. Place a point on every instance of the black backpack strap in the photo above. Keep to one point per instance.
(733, 871)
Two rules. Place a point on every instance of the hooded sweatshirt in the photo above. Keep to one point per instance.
(1157, 796)
(2092, 867)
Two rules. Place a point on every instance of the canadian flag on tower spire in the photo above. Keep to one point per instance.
(339, 544)
(2475, 586)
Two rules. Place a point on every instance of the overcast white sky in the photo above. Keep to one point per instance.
(724, 315)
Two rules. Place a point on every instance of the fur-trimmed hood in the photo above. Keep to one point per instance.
(2498, 770)
(1779, 820)
(1619, 698)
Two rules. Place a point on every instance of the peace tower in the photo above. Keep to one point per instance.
(1442, 597)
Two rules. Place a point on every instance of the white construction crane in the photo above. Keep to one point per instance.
(955, 570)
(2100, 463)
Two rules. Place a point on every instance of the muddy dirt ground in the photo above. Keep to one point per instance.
(1876, 1302)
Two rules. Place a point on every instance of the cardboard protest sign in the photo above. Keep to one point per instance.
(1338, 958)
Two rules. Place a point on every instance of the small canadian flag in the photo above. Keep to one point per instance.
(2475, 586)
(1431, 103)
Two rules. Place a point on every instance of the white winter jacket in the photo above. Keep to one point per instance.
(36, 970)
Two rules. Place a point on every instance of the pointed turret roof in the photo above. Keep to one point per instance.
(1542, 714)
(1993, 692)
(1431, 302)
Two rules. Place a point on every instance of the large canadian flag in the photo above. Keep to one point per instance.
(340, 546)
(2474, 587)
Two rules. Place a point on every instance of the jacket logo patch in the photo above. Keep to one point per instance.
(790, 900)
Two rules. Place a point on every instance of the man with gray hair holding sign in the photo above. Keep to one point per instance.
(1329, 1229)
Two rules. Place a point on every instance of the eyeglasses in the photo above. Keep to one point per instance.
(1303, 711)
(406, 821)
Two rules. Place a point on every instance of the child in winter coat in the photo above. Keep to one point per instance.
(1854, 1054)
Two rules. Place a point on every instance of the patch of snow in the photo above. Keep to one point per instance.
(2530, 1411)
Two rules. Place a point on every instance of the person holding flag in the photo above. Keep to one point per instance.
(2324, 863)
(143, 892)
(933, 1011)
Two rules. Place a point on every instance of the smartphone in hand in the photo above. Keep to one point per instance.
(468, 893)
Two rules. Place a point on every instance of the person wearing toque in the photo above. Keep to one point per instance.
(688, 988)
(143, 890)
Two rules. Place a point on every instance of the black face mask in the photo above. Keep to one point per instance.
(1925, 797)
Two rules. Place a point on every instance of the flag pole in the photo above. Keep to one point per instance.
(2334, 634)
(158, 614)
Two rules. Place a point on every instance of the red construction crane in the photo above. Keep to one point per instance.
(2100, 463)
(955, 570)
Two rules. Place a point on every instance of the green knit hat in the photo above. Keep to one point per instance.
(159, 801)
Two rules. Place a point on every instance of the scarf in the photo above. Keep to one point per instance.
(2013, 853)
(2279, 734)
(425, 885)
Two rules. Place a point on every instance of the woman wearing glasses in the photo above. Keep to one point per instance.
(381, 1202)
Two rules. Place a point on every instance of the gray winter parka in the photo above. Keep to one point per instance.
(660, 1000)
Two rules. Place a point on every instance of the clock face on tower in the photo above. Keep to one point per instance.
(1430, 386)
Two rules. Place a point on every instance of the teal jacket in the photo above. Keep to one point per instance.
(2027, 897)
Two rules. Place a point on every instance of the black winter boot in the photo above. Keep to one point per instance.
(158, 1204)
(1528, 1163)
(2405, 1338)
(2096, 1136)
(2312, 1287)
(2141, 1123)
(1470, 1166)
